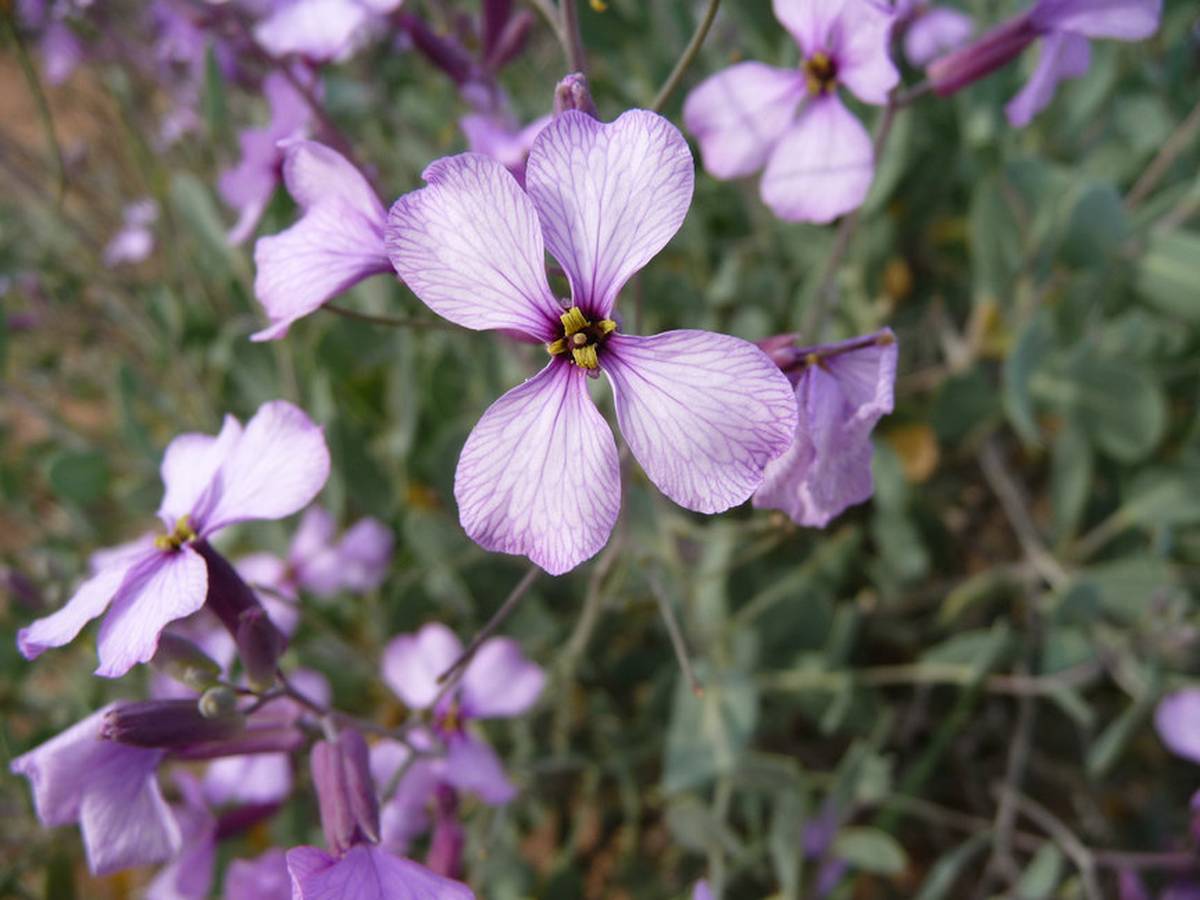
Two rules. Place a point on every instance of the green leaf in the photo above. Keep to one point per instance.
(79, 477)
(1033, 345)
(870, 850)
(1164, 496)
(1169, 273)
(995, 241)
(1042, 874)
(1071, 466)
(707, 734)
(1097, 227)
(963, 402)
(946, 871)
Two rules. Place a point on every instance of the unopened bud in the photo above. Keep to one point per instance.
(217, 702)
(167, 723)
(180, 659)
(445, 854)
(981, 57)
(447, 55)
(510, 42)
(572, 93)
(228, 595)
(781, 348)
(341, 774)
(260, 644)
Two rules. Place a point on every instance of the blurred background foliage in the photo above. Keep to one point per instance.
(955, 680)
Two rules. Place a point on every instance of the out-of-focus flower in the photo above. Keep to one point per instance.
(357, 866)
(701, 891)
(267, 470)
(843, 390)
(135, 241)
(248, 186)
(262, 878)
(703, 413)
(502, 138)
(357, 562)
(930, 30)
(320, 30)
(189, 875)
(110, 789)
(337, 242)
(818, 156)
(1177, 720)
(1065, 28)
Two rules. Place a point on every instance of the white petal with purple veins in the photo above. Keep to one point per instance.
(703, 413)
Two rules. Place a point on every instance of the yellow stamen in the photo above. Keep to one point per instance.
(579, 339)
(812, 359)
(573, 321)
(607, 326)
(554, 348)
(598, 5)
(181, 535)
(585, 357)
(818, 74)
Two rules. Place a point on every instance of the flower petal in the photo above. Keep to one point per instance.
(609, 196)
(472, 765)
(811, 22)
(258, 778)
(500, 681)
(188, 467)
(412, 663)
(364, 554)
(89, 601)
(1123, 20)
(822, 168)
(862, 53)
(154, 593)
(470, 246)
(1063, 56)
(263, 878)
(737, 115)
(937, 31)
(125, 820)
(313, 535)
(336, 243)
(318, 30)
(703, 413)
(538, 475)
(366, 873)
(277, 466)
(1177, 720)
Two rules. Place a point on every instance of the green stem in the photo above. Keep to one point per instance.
(689, 55)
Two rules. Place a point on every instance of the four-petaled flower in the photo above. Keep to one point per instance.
(819, 163)
(703, 413)
(267, 470)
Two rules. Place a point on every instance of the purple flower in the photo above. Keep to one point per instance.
(1177, 720)
(267, 470)
(135, 241)
(842, 390)
(929, 31)
(819, 162)
(319, 30)
(248, 186)
(701, 891)
(501, 137)
(189, 875)
(357, 868)
(1065, 27)
(703, 413)
(109, 789)
(357, 562)
(499, 682)
(337, 242)
(263, 878)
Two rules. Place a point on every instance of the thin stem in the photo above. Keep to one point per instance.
(547, 11)
(1174, 146)
(569, 13)
(1066, 839)
(676, 635)
(689, 55)
(45, 115)
(447, 679)
(390, 321)
(814, 321)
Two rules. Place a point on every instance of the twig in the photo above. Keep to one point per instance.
(447, 679)
(1012, 500)
(1066, 839)
(676, 635)
(390, 321)
(814, 320)
(1175, 145)
(689, 55)
(576, 58)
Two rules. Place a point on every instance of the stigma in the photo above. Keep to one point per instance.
(181, 535)
(820, 74)
(581, 338)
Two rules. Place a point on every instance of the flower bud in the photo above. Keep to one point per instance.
(167, 723)
(572, 93)
(446, 846)
(180, 659)
(345, 792)
(217, 702)
(260, 644)
(447, 55)
(228, 595)
(509, 43)
(271, 739)
(981, 57)
(781, 348)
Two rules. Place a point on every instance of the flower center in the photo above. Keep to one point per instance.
(820, 74)
(181, 535)
(581, 338)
